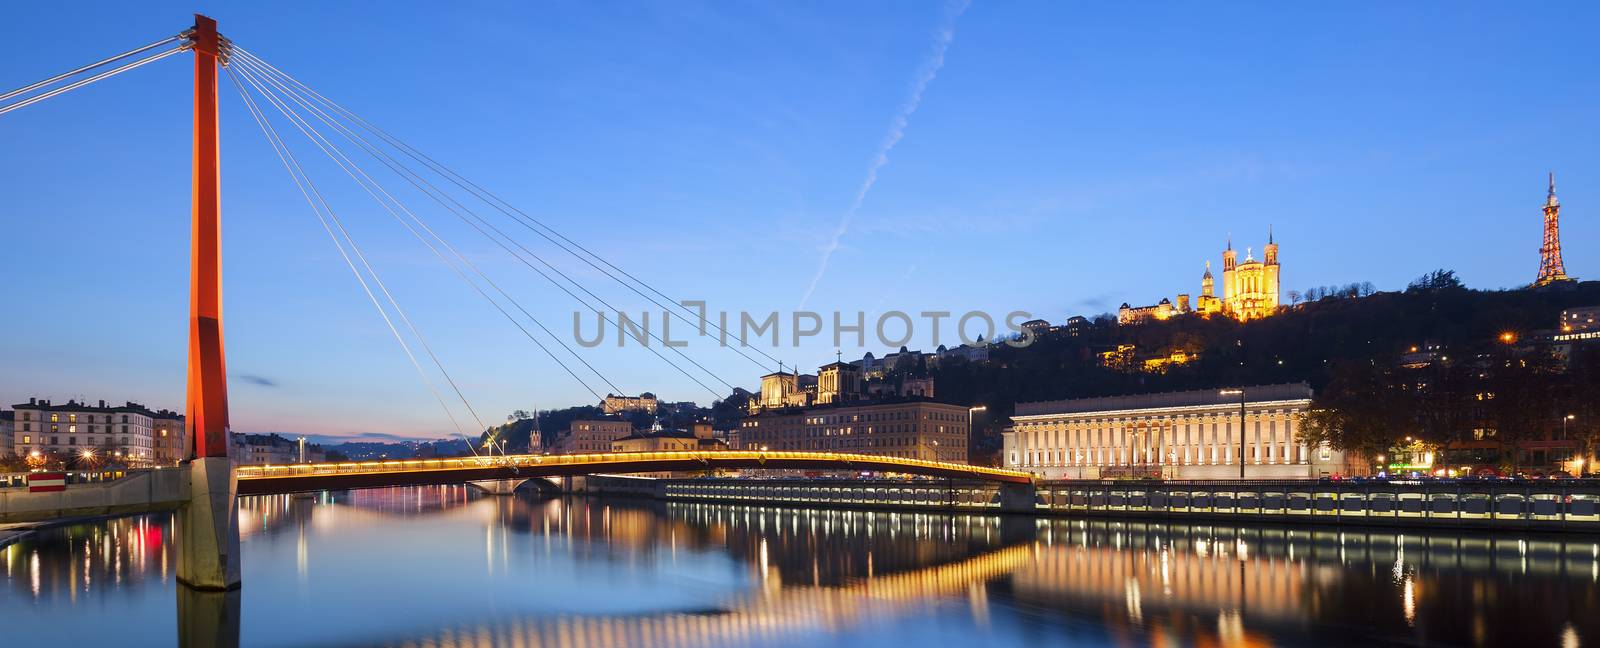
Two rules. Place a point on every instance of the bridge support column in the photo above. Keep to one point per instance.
(208, 525)
(1018, 498)
(501, 487)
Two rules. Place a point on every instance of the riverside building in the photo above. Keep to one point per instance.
(591, 435)
(1175, 435)
(124, 432)
(911, 429)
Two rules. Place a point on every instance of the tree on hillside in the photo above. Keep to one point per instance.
(1436, 281)
(1363, 409)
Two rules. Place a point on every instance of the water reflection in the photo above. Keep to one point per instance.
(444, 566)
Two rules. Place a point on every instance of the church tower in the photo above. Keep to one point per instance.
(1269, 279)
(1230, 265)
(1208, 302)
(1551, 269)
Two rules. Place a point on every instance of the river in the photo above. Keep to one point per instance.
(447, 566)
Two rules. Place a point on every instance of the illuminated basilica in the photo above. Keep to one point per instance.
(1249, 290)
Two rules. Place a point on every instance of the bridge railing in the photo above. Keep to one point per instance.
(877, 462)
(20, 479)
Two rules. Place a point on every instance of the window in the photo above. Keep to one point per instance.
(72, 428)
(55, 418)
(27, 439)
(27, 427)
(72, 418)
(72, 440)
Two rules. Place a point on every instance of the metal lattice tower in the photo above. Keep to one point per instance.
(1551, 269)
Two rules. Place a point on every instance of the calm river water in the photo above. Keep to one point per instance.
(445, 566)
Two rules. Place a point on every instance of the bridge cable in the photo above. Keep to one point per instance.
(346, 165)
(83, 82)
(297, 173)
(505, 207)
(418, 220)
(91, 66)
(439, 196)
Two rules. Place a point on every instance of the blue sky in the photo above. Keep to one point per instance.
(1062, 158)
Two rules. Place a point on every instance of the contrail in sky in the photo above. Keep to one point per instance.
(897, 130)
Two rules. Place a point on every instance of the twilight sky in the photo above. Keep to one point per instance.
(1055, 158)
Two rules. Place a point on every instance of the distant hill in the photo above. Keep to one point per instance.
(372, 450)
(1303, 343)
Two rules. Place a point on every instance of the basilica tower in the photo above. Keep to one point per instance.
(1270, 271)
(1230, 265)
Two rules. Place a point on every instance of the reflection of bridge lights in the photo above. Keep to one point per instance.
(1409, 601)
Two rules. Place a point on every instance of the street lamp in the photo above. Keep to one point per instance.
(1240, 394)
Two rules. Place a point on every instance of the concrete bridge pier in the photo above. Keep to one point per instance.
(1017, 498)
(208, 527)
(502, 487)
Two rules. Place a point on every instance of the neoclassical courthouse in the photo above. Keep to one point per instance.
(1174, 435)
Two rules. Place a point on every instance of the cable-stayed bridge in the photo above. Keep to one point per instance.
(398, 178)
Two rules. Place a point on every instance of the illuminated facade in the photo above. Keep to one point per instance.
(591, 435)
(838, 382)
(122, 432)
(1177, 435)
(1249, 290)
(782, 389)
(614, 404)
